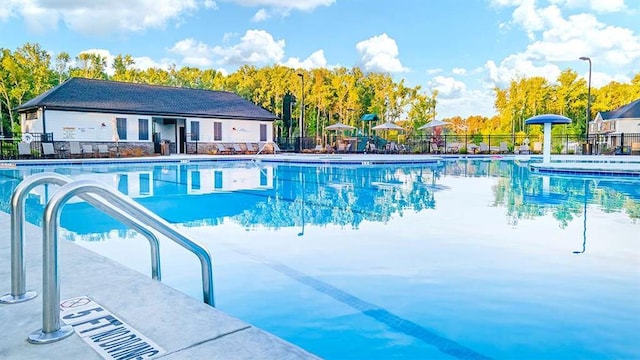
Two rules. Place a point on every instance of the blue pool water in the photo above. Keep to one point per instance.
(466, 259)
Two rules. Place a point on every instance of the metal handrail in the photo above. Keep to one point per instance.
(51, 329)
(18, 269)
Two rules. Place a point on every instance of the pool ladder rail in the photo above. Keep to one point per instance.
(104, 198)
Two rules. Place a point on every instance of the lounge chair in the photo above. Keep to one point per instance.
(252, 148)
(221, 149)
(484, 148)
(87, 150)
(103, 150)
(48, 150)
(24, 150)
(537, 147)
(504, 148)
(635, 148)
(237, 149)
(524, 149)
(74, 149)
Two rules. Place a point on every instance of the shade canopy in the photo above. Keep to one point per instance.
(369, 117)
(547, 119)
(339, 126)
(388, 126)
(432, 124)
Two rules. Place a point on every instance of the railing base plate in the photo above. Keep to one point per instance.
(12, 299)
(41, 337)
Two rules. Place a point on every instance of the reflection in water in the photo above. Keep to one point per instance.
(278, 196)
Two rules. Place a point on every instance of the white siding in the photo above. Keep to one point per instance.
(232, 130)
(627, 126)
(80, 126)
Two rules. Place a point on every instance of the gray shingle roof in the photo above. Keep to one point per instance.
(80, 94)
(629, 111)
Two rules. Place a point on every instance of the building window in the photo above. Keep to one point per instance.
(217, 131)
(145, 184)
(195, 130)
(143, 129)
(121, 125)
(195, 180)
(123, 184)
(263, 132)
(217, 179)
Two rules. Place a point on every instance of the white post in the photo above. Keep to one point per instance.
(546, 150)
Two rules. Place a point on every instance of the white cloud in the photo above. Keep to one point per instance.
(447, 87)
(557, 40)
(459, 71)
(100, 17)
(434, 71)
(380, 54)
(140, 63)
(210, 4)
(601, 6)
(261, 15)
(314, 61)
(194, 53)
(304, 5)
(256, 47)
(470, 102)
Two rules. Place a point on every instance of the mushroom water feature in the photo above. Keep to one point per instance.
(547, 120)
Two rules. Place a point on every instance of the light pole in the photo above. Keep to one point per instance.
(585, 58)
(301, 110)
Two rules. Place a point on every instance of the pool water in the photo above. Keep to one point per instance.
(464, 259)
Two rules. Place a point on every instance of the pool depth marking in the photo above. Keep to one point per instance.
(382, 315)
(104, 332)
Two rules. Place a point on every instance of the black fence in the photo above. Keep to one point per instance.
(23, 145)
(605, 144)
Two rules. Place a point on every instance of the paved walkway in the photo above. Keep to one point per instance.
(183, 327)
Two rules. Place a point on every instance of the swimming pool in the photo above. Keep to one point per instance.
(466, 259)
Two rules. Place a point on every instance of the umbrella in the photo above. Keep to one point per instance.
(432, 124)
(388, 126)
(339, 126)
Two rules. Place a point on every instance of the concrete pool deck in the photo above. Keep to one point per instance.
(183, 327)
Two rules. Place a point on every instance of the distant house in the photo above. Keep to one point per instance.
(609, 126)
(142, 116)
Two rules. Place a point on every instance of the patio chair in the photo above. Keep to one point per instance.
(87, 150)
(103, 150)
(24, 150)
(484, 148)
(237, 149)
(252, 148)
(537, 147)
(524, 149)
(74, 149)
(504, 148)
(48, 150)
(221, 149)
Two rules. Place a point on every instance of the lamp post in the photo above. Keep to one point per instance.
(585, 58)
(301, 110)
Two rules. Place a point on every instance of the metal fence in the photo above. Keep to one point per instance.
(10, 148)
(606, 144)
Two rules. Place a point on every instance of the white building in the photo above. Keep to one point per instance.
(618, 127)
(141, 116)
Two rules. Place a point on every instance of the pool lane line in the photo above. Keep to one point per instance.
(408, 327)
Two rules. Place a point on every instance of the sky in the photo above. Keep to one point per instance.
(461, 48)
